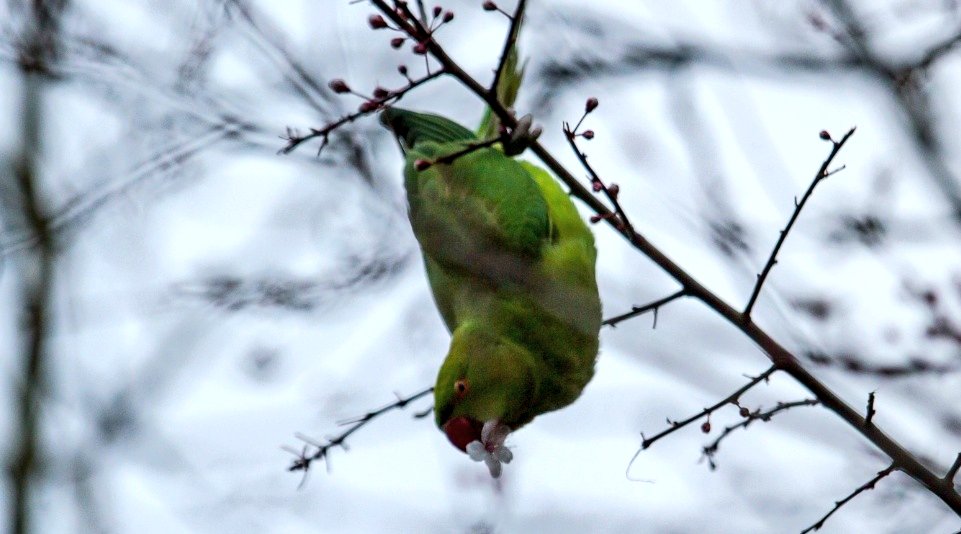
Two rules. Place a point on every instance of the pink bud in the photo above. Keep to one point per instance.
(595, 219)
(591, 105)
(368, 106)
(596, 185)
(449, 16)
(614, 189)
(744, 412)
(588, 134)
(402, 69)
(381, 93)
(437, 11)
(825, 135)
(706, 427)
(420, 49)
(377, 22)
(397, 42)
(338, 86)
(490, 6)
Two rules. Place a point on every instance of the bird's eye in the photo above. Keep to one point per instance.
(460, 387)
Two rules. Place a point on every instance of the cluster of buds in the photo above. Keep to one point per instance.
(575, 132)
(438, 17)
(375, 101)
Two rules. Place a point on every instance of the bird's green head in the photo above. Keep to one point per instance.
(485, 380)
(412, 128)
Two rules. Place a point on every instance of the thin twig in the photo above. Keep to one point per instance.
(641, 310)
(953, 471)
(509, 42)
(468, 149)
(798, 206)
(711, 449)
(620, 217)
(870, 410)
(294, 139)
(730, 399)
(869, 485)
(304, 458)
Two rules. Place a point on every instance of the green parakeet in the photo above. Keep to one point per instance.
(511, 266)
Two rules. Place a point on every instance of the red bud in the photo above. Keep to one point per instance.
(591, 105)
(402, 69)
(490, 6)
(596, 185)
(437, 10)
(825, 135)
(449, 16)
(377, 22)
(397, 42)
(744, 412)
(368, 106)
(614, 189)
(420, 49)
(595, 219)
(338, 86)
(381, 93)
(706, 427)
(588, 134)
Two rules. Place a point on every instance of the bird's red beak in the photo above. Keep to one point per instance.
(463, 430)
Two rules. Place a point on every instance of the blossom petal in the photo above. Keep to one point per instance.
(494, 466)
(503, 454)
(476, 451)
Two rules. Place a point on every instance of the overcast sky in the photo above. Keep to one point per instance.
(213, 298)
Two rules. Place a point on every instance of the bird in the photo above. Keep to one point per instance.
(511, 266)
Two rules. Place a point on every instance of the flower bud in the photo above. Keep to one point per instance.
(397, 42)
(377, 22)
(595, 219)
(437, 11)
(591, 105)
(490, 6)
(744, 412)
(588, 134)
(706, 427)
(381, 93)
(402, 69)
(338, 86)
(449, 16)
(368, 106)
(420, 49)
(825, 135)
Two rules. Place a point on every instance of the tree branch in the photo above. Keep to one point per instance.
(870, 412)
(371, 105)
(953, 471)
(509, 42)
(641, 310)
(779, 356)
(710, 450)
(730, 399)
(303, 460)
(869, 485)
(620, 217)
(798, 206)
